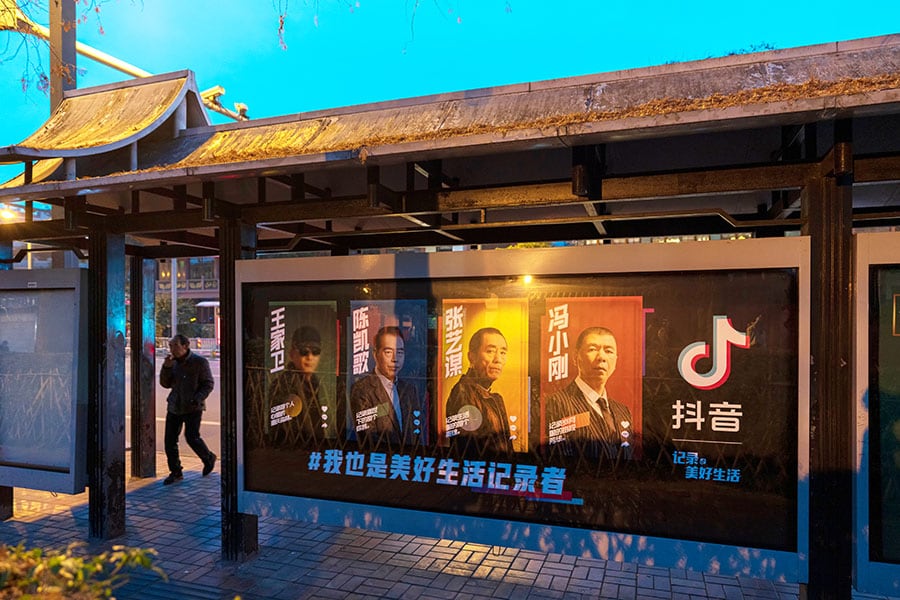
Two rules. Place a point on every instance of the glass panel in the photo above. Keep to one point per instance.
(661, 404)
(36, 337)
(885, 416)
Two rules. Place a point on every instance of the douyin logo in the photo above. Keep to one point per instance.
(724, 337)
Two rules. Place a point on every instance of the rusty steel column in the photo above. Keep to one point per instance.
(237, 240)
(6, 492)
(106, 386)
(143, 367)
(828, 206)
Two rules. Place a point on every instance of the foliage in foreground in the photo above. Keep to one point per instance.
(54, 575)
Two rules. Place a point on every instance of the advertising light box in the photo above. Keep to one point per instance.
(877, 441)
(580, 388)
(42, 390)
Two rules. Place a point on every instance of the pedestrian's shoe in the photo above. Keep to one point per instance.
(209, 464)
(173, 477)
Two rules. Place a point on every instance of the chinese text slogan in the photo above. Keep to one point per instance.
(558, 362)
(360, 340)
(276, 339)
(491, 476)
(695, 468)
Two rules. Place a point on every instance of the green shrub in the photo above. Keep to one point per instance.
(53, 575)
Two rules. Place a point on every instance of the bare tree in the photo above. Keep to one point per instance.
(449, 8)
(28, 39)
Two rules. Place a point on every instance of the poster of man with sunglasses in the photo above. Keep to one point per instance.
(302, 406)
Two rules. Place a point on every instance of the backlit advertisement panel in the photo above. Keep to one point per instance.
(661, 403)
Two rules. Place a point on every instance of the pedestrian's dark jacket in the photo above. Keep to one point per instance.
(190, 380)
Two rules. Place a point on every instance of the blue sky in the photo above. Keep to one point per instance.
(344, 52)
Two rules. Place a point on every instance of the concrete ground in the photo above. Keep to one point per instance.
(302, 560)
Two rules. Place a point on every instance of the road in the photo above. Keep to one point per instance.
(210, 427)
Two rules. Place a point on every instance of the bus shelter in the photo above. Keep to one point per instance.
(753, 420)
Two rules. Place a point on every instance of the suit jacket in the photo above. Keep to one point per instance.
(492, 433)
(373, 416)
(593, 439)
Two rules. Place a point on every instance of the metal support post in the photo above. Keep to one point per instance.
(828, 207)
(588, 169)
(237, 240)
(6, 492)
(106, 386)
(143, 367)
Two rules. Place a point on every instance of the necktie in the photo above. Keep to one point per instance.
(395, 397)
(608, 418)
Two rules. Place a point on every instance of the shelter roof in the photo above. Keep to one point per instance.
(642, 102)
(102, 119)
(595, 156)
(786, 86)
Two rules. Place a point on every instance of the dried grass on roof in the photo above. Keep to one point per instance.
(285, 143)
(780, 92)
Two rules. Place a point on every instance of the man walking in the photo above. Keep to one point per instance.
(190, 379)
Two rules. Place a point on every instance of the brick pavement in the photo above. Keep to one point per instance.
(302, 560)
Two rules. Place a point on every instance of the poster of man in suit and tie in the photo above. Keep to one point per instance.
(388, 402)
(591, 378)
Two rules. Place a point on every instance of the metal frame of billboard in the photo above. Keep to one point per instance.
(73, 479)
(601, 259)
(870, 576)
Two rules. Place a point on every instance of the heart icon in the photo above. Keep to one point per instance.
(324, 408)
(512, 418)
(416, 413)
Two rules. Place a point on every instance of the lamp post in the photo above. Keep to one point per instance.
(13, 19)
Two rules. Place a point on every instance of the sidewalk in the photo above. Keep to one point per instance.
(300, 560)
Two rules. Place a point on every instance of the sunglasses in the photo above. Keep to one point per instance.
(308, 350)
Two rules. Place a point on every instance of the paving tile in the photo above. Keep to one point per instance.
(479, 587)
(436, 594)
(584, 588)
(557, 570)
(759, 594)
(627, 593)
(448, 582)
(661, 582)
(621, 578)
(306, 560)
(422, 578)
(643, 594)
(505, 590)
(520, 578)
(733, 592)
(687, 585)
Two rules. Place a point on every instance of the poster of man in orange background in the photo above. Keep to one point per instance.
(591, 375)
(483, 349)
